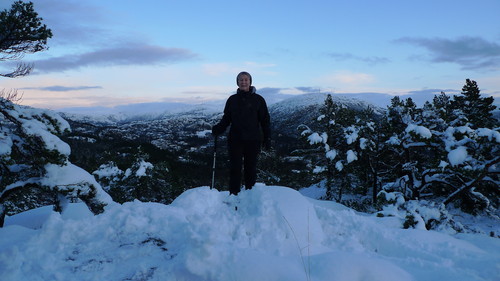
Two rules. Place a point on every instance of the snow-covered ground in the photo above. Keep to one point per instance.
(275, 234)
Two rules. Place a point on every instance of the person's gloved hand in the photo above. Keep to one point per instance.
(217, 130)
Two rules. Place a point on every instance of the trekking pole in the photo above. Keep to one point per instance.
(213, 166)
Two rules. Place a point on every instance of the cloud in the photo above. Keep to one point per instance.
(471, 53)
(369, 60)
(127, 55)
(75, 21)
(347, 77)
(62, 88)
(57, 100)
(302, 90)
(433, 91)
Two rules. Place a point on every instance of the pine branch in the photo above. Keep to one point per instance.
(467, 186)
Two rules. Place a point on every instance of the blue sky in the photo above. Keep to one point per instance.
(107, 53)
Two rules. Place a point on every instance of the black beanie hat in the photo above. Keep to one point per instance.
(243, 73)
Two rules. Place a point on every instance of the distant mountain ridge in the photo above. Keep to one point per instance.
(160, 110)
(275, 98)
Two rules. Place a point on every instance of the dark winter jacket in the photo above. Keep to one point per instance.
(248, 116)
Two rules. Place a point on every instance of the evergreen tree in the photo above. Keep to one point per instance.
(337, 146)
(343, 144)
(442, 154)
(320, 164)
(34, 162)
(21, 32)
(369, 152)
(407, 147)
(442, 107)
(477, 110)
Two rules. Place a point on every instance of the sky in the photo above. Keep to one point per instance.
(109, 53)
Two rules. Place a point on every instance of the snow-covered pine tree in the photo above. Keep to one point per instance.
(141, 180)
(34, 166)
(442, 107)
(477, 110)
(337, 146)
(472, 152)
(433, 118)
(445, 154)
(408, 147)
(370, 151)
(320, 156)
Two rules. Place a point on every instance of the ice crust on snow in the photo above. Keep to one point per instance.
(276, 234)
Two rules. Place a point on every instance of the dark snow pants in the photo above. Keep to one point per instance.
(242, 153)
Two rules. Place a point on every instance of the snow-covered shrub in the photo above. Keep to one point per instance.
(34, 166)
(141, 181)
(108, 175)
(390, 198)
(419, 214)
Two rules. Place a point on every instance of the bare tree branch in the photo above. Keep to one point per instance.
(12, 95)
(22, 69)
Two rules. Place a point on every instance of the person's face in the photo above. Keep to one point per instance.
(244, 82)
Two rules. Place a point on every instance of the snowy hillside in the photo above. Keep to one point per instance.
(152, 111)
(303, 105)
(275, 97)
(172, 126)
(139, 111)
(275, 234)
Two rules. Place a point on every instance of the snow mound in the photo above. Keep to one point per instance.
(275, 233)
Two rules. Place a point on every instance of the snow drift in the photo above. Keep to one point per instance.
(275, 234)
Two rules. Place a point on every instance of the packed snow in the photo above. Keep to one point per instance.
(276, 233)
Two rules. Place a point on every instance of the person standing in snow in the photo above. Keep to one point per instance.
(247, 113)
